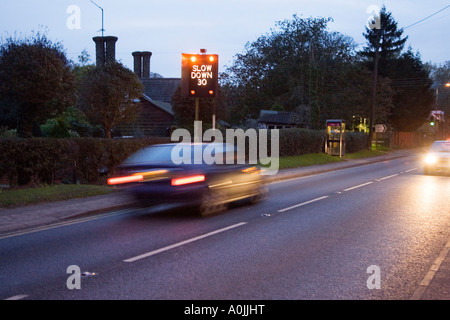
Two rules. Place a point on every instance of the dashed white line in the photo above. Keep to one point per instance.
(413, 169)
(388, 177)
(303, 204)
(358, 186)
(179, 244)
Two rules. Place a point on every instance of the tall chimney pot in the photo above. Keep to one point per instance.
(146, 55)
(105, 48)
(137, 63)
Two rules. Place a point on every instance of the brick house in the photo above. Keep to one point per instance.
(156, 117)
(269, 119)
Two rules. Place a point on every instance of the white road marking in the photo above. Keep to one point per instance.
(302, 204)
(18, 297)
(179, 244)
(65, 223)
(411, 170)
(388, 177)
(358, 186)
(431, 273)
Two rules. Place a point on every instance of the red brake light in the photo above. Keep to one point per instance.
(128, 179)
(188, 180)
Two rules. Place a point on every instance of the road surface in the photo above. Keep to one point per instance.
(370, 232)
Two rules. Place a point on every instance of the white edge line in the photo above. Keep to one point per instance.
(152, 253)
(359, 186)
(64, 224)
(303, 204)
(431, 273)
(411, 170)
(18, 297)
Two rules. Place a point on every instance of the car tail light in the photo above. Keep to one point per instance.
(188, 180)
(128, 179)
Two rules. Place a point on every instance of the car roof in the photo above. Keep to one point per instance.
(230, 146)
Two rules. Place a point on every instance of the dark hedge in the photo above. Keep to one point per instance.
(79, 160)
(87, 160)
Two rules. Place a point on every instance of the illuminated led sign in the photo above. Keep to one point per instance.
(199, 75)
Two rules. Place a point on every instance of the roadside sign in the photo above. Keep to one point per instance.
(199, 75)
(380, 128)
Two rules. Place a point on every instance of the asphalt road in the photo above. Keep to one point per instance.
(370, 232)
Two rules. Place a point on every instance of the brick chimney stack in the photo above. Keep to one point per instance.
(105, 48)
(142, 64)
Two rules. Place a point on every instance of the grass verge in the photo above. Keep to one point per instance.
(306, 160)
(23, 197)
(322, 158)
(364, 154)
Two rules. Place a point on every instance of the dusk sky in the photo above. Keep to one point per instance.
(168, 28)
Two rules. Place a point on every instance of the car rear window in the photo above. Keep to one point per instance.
(161, 154)
(155, 154)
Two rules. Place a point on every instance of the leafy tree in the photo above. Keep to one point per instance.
(414, 98)
(440, 74)
(108, 96)
(300, 64)
(84, 58)
(36, 83)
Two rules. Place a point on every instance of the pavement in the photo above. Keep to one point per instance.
(22, 220)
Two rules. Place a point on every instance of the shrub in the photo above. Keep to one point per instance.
(355, 141)
(46, 161)
(295, 141)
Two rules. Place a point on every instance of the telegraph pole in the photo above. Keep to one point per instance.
(374, 90)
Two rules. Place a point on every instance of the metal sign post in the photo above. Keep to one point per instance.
(199, 78)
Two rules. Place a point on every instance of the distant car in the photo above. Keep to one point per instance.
(438, 158)
(153, 177)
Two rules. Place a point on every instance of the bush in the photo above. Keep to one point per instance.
(355, 141)
(295, 142)
(85, 160)
(45, 161)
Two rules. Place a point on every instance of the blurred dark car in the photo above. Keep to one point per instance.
(438, 158)
(153, 177)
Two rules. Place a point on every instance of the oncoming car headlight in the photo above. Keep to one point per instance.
(430, 159)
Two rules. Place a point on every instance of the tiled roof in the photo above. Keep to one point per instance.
(161, 89)
(165, 106)
(279, 117)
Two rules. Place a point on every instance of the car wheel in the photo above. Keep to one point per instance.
(213, 202)
(263, 191)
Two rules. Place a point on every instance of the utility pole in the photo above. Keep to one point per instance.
(374, 90)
